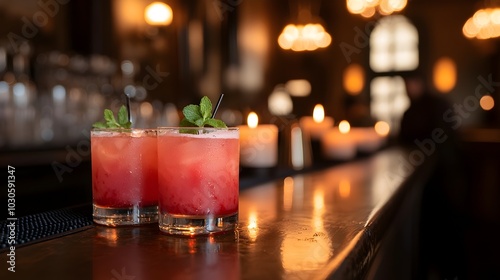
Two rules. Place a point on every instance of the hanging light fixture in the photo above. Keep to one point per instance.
(308, 34)
(307, 37)
(158, 13)
(368, 8)
(485, 23)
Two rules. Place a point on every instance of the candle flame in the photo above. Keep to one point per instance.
(344, 127)
(318, 113)
(382, 128)
(252, 120)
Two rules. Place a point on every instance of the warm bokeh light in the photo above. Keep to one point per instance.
(445, 74)
(318, 113)
(487, 102)
(252, 120)
(367, 8)
(280, 102)
(307, 37)
(394, 45)
(344, 127)
(158, 13)
(354, 79)
(484, 24)
(344, 188)
(299, 87)
(253, 49)
(382, 128)
(389, 101)
(146, 110)
(368, 12)
(127, 16)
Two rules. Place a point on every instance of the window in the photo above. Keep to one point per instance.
(393, 49)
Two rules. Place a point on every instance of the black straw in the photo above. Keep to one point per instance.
(217, 105)
(128, 108)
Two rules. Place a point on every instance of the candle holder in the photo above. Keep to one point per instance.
(317, 152)
(294, 145)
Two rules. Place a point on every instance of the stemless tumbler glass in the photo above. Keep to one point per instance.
(198, 177)
(124, 176)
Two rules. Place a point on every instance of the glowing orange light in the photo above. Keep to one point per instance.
(367, 8)
(318, 113)
(487, 102)
(354, 79)
(445, 75)
(344, 127)
(158, 13)
(382, 128)
(307, 37)
(344, 188)
(252, 120)
(484, 24)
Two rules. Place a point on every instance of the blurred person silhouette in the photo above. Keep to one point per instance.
(424, 128)
(425, 113)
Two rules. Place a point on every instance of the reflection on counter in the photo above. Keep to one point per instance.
(300, 227)
(119, 253)
(344, 188)
(301, 252)
(310, 239)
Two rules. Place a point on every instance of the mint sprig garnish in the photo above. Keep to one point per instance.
(110, 122)
(200, 115)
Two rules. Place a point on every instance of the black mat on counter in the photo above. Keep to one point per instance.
(42, 226)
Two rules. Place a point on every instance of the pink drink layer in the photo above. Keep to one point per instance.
(124, 170)
(198, 174)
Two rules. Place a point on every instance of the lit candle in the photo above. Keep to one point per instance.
(258, 143)
(317, 124)
(338, 143)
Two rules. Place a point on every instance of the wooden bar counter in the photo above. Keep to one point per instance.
(328, 223)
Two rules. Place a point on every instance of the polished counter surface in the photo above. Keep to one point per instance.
(308, 226)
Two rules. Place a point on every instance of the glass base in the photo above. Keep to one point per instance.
(125, 216)
(195, 225)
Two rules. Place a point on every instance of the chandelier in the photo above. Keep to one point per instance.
(307, 32)
(308, 37)
(368, 8)
(484, 24)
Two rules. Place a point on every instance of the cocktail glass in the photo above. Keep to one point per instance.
(124, 176)
(198, 176)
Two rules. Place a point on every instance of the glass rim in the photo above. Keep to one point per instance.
(119, 129)
(196, 128)
(128, 132)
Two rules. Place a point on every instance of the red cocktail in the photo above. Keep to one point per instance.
(124, 176)
(198, 173)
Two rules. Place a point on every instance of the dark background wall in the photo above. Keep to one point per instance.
(91, 27)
